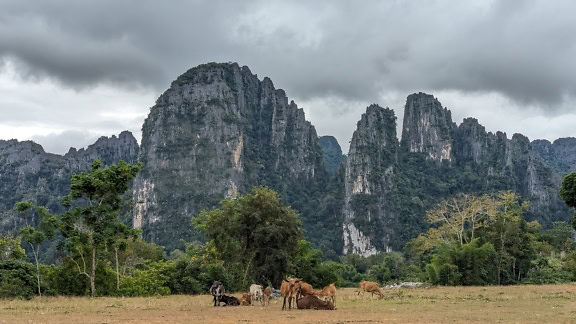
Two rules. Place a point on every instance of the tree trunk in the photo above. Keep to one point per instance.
(117, 270)
(93, 274)
(35, 252)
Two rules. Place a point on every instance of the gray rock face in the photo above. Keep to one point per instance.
(29, 173)
(369, 222)
(389, 186)
(332, 153)
(560, 155)
(216, 132)
(427, 127)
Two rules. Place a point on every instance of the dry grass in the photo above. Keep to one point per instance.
(516, 304)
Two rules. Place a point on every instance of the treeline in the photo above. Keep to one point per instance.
(472, 240)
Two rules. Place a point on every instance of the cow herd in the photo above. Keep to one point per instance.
(293, 290)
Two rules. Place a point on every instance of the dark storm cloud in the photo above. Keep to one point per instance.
(523, 50)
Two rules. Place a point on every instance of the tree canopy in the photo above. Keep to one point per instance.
(256, 232)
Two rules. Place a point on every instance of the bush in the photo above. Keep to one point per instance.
(149, 282)
(547, 271)
(17, 279)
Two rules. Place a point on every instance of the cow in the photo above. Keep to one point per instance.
(328, 291)
(289, 289)
(267, 294)
(371, 287)
(229, 300)
(313, 302)
(256, 294)
(246, 299)
(217, 291)
(305, 289)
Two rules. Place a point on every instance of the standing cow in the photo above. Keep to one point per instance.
(217, 291)
(256, 294)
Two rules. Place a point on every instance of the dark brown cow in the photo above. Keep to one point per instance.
(313, 302)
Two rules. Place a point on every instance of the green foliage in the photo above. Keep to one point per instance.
(147, 282)
(502, 252)
(568, 189)
(92, 222)
(255, 232)
(307, 263)
(548, 271)
(17, 279)
(568, 192)
(10, 249)
(559, 236)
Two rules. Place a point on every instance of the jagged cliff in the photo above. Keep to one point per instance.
(216, 132)
(369, 222)
(389, 187)
(427, 127)
(29, 173)
(560, 155)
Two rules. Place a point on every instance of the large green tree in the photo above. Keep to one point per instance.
(92, 221)
(255, 232)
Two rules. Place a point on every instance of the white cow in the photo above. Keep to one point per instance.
(256, 294)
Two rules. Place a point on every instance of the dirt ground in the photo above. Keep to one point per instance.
(515, 304)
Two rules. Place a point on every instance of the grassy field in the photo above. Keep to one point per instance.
(516, 304)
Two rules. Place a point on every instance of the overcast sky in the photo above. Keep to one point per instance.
(71, 71)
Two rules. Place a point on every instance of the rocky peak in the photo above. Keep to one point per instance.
(216, 132)
(427, 127)
(369, 177)
(27, 172)
(109, 150)
(331, 153)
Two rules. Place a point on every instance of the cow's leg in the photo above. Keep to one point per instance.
(284, 303)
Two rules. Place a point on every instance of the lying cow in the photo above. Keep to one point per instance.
(313, 302)
(229, 300)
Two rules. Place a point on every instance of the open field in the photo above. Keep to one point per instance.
(514, 304)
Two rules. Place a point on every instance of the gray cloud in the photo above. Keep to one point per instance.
(321, 52)
(522, 49)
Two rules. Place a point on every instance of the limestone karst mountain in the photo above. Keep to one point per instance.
(29, 173)
(219, 130)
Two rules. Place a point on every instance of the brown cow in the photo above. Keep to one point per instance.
(313, 302)
(289, 289)
(267, 294)
(371, 287)
(328, 291)
(306, 289)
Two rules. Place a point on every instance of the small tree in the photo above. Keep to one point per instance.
(11, 249)
(47, 224)
(94, 202)
(118, 241)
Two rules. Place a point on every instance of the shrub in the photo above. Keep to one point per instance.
(17, 279)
